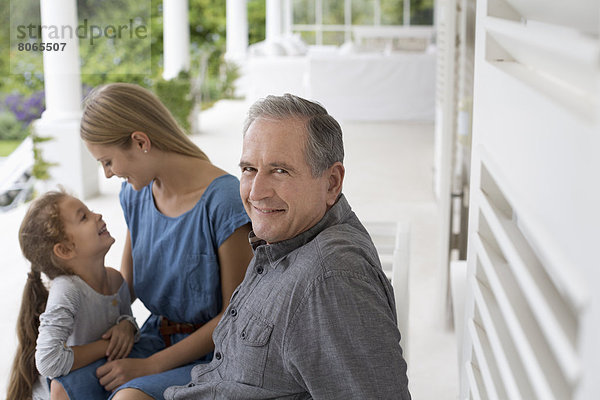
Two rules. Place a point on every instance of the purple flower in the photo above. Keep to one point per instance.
(26, 109)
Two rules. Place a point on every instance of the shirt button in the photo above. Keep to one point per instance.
(218, 355)
(259, 270)
(243, 335)
(233, 312)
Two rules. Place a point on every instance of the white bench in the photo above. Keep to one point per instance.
(391, 240)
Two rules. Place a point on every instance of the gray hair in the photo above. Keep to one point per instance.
(324, 145)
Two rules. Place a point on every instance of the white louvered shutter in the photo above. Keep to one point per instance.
(532, 318)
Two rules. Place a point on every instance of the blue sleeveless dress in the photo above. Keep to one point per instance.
(175, 274)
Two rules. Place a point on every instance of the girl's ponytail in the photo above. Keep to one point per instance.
(41, 229)
(24, 372)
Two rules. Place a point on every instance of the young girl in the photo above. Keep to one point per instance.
(87, 311)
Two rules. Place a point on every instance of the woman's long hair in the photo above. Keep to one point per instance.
(41, 229)
(114, 111)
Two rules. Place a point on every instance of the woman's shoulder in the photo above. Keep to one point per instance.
(222, 197)
(223, 186)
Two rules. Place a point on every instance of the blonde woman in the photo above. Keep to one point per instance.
(186, 247)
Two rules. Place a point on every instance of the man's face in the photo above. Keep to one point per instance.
(277, 188)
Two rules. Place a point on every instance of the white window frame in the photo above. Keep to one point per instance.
(318, 27)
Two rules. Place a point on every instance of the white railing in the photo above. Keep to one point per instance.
(15, 174)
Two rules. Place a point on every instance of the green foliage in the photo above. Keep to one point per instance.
(135, 61)
(128, 56)
(256, 21)
(392, 12)
(176, 96)
(207, 31)
(421, 12)
(333, 12)
(223, 86)
(362, 13)
(40, 166)
(10, 127)
(4, 40)
(21, 71)
(8, 146)
(304, 12)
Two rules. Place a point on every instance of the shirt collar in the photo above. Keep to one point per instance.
(275, 251)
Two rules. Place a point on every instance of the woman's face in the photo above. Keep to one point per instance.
(128, 164)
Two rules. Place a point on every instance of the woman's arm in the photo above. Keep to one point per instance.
(127, 265)
(234, 256)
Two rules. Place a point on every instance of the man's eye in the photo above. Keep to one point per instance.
(248, 169)
(281, 171)
(107, 163)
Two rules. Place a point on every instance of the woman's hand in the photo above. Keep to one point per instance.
(115, 373)
(121, 338)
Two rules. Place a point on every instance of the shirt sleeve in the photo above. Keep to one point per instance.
(343, 341)
(53, 357)
(226, 210)
(125, 196)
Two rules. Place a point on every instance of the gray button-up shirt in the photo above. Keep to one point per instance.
(313, 318)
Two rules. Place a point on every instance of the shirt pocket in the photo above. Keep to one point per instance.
(253, 346)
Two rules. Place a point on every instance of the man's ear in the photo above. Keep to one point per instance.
(64, 251)
(141, 141)
(336, 178)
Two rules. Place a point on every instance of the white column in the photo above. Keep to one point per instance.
(176, 38)
(237, 29)
(75, 169)
(63, 94)
(273, 20)
(287, 17)
(348, 20)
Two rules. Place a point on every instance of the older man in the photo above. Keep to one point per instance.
(314, 316)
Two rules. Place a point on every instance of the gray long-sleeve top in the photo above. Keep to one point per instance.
(75, 315)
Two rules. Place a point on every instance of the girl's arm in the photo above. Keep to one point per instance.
(88, 353)
(234, 256)
(53, 357)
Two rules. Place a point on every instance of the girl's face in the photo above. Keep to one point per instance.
(127, 164)
(86, 230)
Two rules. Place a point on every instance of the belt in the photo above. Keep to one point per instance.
(168, 328)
